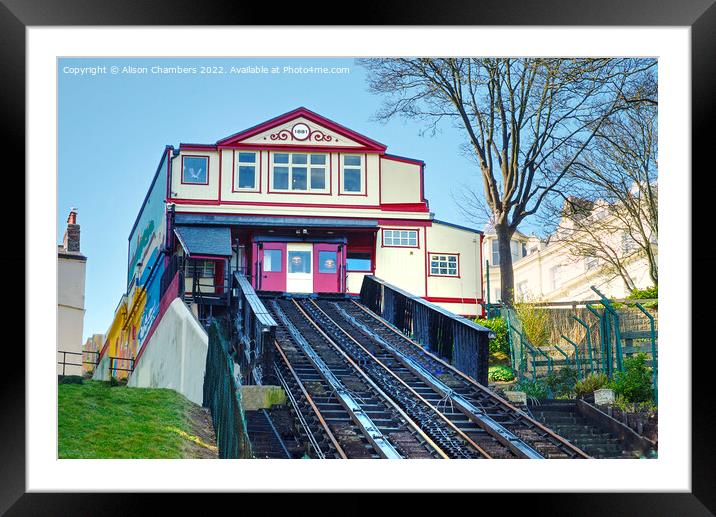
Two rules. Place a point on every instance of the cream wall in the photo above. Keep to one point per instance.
(70, 311)
(402, 267)
(442, 238)
(329, 138)
(400, 181)
(175, 355)
(184, 191)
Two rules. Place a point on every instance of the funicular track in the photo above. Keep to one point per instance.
(346, 414)
(495, 427)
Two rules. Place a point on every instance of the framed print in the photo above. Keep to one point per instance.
(436, 238)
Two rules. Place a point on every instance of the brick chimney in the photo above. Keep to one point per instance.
(72, 234)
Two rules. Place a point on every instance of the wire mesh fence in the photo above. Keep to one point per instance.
(222, 397)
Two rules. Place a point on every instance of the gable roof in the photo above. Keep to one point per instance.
(301, 112)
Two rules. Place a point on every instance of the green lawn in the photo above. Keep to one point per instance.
(96, 420)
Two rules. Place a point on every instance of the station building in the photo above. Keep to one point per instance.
(298, 204)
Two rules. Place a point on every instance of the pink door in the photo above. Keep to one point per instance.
(272, 267)
(328, 266)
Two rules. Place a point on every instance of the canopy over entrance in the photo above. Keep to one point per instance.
(205, 240)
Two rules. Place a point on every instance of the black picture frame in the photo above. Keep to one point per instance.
(699, 15)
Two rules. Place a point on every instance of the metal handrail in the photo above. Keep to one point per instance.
(617, 333)
(589, 341)
(605, 361)
(576, 354)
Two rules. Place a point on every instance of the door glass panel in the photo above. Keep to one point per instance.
(272, 261)
(299, 261)
(327, 262)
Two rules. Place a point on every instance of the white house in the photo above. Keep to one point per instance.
(71, 266)
(546, 270)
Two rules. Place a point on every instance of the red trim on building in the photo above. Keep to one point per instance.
(197, 147)
(402, 222)
(218, 198)
(482, 285)
(380, 181)
(210, 202)
(425, 256)
(307, 114)
(396, 158)
(299, 148)
(404, 207)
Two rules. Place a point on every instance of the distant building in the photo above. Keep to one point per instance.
(90, 351)
(71, 267)
(545, 270)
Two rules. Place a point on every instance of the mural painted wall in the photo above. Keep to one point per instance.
(149, 229)
(139, 306)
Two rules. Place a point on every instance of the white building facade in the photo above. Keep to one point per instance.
(71, 270)
(546, 270)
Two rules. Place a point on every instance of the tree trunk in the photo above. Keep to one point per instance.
(507, 277)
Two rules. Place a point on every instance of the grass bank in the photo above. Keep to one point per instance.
(96, 420)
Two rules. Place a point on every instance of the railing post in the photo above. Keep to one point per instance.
(617, 333)
(589, 342)
(654, 363)
(576, 354)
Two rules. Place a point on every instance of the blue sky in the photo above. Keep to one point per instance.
(113, 129)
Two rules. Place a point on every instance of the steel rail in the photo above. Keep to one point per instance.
(373, 385)
(477, 385)
(302, 420)
(477, 415)
(310, 401)
(379, 441)
(406, 385)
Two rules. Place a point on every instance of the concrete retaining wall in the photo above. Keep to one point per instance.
(175, 355)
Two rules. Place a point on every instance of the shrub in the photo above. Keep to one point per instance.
(562, 383)
(634, 382)
(645, 294)
(535, 323)
(533, 389)
(590, 384)
(500, 373)
(69, 379)
(500, 344)
(647, 407)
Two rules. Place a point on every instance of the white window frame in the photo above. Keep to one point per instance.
(308, 166)
(443, 258)
(239, 164)
(495, 252)
(360, 169)
(400, 238)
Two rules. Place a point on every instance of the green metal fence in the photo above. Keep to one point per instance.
(610, 334)
(222, 397)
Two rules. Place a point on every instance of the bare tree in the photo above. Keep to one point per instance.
(526, 121)
(618, 174)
